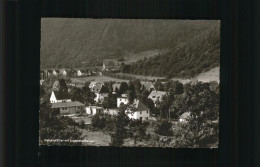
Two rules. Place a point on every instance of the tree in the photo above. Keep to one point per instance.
(137, 86)
(195, 133)
(197, 98)
(88, 95)
(163, 128)
(63, 86)
(53, 126)
(158, 86)
(123, 87)
(77, 95)
(117, 138)
(42, 91)
(110, 101)
(98, 121)
(131, 92)
(174, 86)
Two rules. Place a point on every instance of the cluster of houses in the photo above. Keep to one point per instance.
(65, 106)
(46, 73)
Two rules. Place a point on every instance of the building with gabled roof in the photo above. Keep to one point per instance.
(156, 96)
(68, 107)
(138, 111)
(59, 97)
(185, 117)
(115, 86)
(93, 110)
(101, 92)
(148, 86)
(109, 64)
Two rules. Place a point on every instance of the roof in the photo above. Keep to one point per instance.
(97, 107)
(110, 62)
(92, 83)
(147, 85)
(185, 115)
(67, 104)
(61, 95)
(139, 106)
(57, 71)
(116, 85)
(99, 88)
(157, 93)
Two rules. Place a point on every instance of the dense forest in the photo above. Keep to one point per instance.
(73, 42)
(199, 54)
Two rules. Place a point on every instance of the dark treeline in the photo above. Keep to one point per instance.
(188, 59)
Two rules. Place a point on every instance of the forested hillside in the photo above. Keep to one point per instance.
(70, 42)
(198, 54)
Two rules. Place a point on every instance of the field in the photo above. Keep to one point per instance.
(95, 138)
(99, 78)
(133, 57)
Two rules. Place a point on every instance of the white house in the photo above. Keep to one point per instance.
(63, 72)
(185, 117)
(79, 73)
(55, 72)
(92, 84)
(93, 110)
(100, 91)
(156, 96)
(111, 111)
(68, 107)
(58, 97)
(139, 111)
(123, 100)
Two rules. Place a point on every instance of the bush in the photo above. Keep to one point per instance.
(98, 121)
(164, 128)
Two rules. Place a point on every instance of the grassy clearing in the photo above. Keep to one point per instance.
(96, 138)
(99, 78)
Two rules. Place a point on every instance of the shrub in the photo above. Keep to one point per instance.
(164, 128)
(98, 121)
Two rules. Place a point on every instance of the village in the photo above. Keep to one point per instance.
(148, 102)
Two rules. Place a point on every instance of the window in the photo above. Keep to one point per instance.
(140, 112)
(153, 97)
(147, 112)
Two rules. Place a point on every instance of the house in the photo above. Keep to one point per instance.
(92, 84)
(100, 91)
(55, 72)
(41, 81)
(111, 111)
(139, 111)
(185, 117)
(109, 64)
(59, 97)
(123, 100)
(48, 73)
(79, 73)
(63, 72)
(156, 96)
(148, 86)
(115, 87)
(68, 107)
(93, 110)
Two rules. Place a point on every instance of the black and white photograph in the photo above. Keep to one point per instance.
(129, 82)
